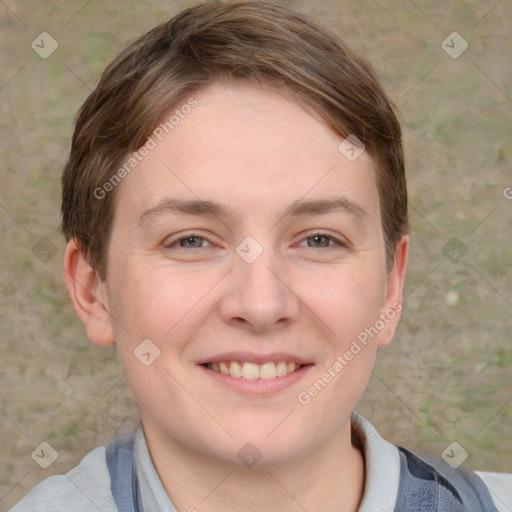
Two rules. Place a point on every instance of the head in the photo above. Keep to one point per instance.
(211, 206)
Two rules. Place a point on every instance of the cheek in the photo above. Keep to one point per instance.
(157, 303)
(346, 299)
(348, 308)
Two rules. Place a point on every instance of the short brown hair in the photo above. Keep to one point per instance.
(250, 41)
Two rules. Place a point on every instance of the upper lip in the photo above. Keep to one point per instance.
(255, 358)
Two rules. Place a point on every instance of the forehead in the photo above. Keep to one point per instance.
(249, 148)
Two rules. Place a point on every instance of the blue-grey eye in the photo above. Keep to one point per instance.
(319, 241)
(193, 241)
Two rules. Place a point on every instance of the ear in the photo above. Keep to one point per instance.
(392, 304)
(88, 295)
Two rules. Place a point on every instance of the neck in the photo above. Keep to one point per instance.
(329, 479)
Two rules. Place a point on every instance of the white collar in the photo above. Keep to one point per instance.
(382, 470)
(382, 467)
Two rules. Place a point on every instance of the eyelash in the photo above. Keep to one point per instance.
(311, 234)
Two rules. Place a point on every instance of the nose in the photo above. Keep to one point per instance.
(258, 297)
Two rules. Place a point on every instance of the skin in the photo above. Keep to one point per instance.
(256, 151)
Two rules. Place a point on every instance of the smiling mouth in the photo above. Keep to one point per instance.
(253, 371)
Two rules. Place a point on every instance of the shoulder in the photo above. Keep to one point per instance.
(434, 483)
(500, 487)
(85, 488)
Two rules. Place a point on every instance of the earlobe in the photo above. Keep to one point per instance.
(392, 304)
(87, 294)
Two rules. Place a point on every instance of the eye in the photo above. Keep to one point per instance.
(191, 241)
(322, 240)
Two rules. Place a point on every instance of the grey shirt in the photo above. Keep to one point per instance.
(86, 488)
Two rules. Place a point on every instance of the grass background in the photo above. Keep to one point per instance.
(447, 375)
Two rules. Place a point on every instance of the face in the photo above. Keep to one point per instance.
(250, 251)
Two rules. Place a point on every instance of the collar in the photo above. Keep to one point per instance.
(382, 470)
(382, 467)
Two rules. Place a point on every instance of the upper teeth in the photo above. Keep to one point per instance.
(247, 370)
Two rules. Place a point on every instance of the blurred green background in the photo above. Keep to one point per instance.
(447, 375)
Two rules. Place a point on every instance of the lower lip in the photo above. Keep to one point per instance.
(257, 386)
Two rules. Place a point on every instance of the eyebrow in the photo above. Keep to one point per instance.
(300, 207)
